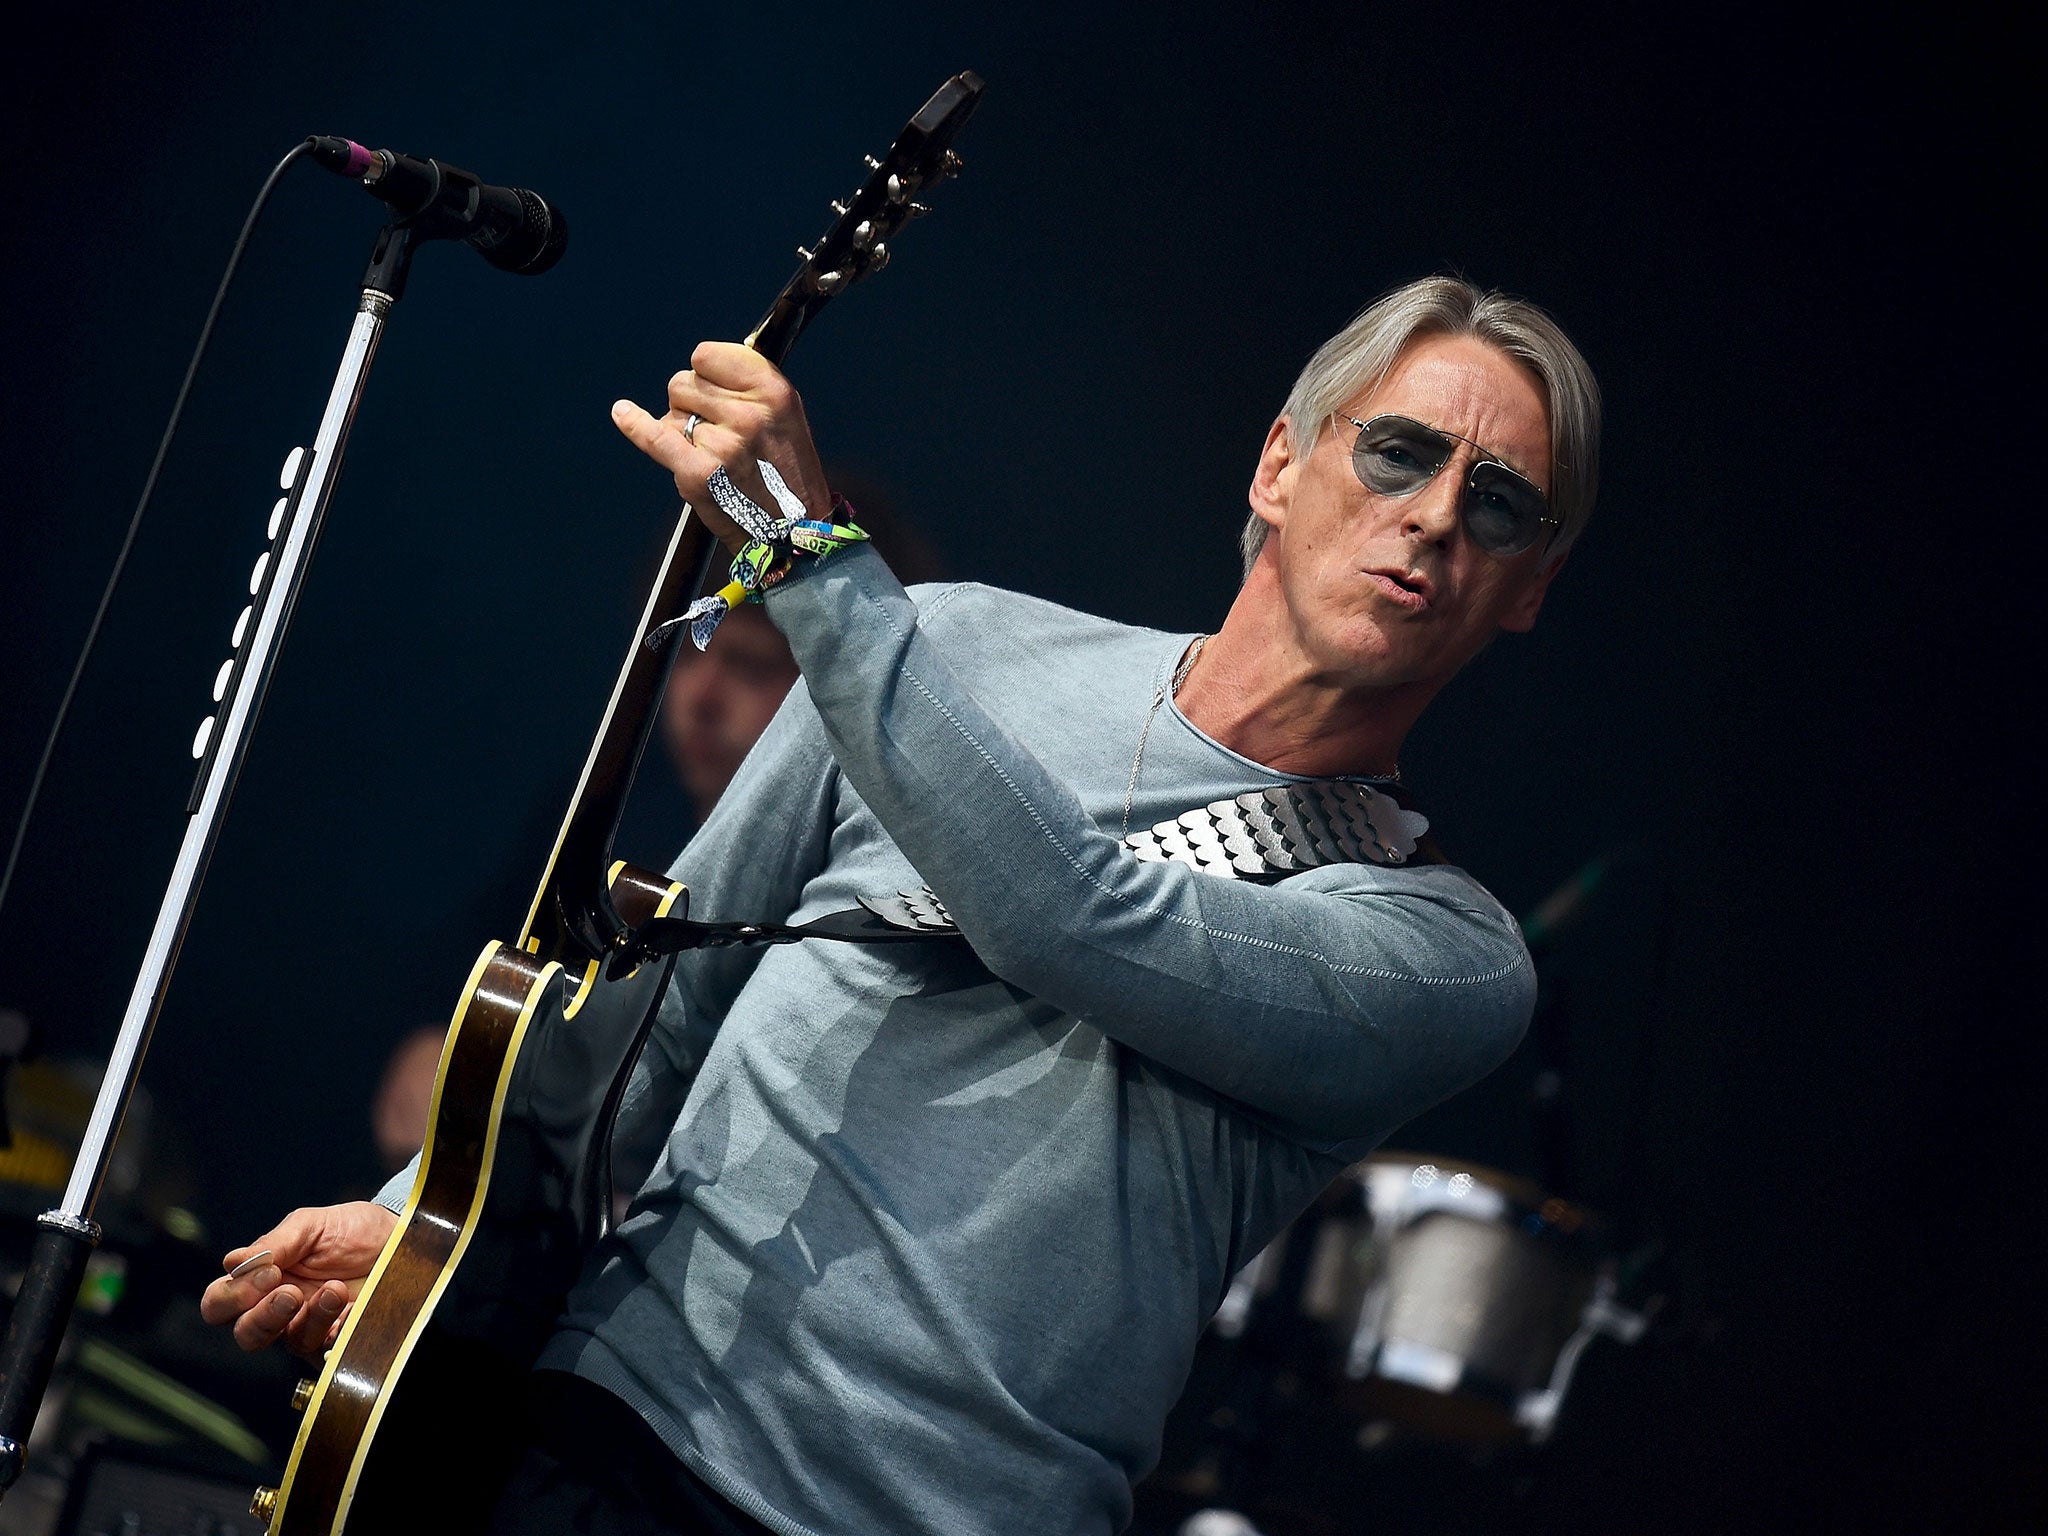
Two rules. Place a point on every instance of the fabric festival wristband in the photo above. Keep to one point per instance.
(762, 564)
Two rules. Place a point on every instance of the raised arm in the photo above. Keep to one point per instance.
(1341, 1002)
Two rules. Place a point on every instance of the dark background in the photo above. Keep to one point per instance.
(1802, 1041)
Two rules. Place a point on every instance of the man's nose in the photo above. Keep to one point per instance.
(1433, 510)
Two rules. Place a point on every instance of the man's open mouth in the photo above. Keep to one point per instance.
(1407, 589)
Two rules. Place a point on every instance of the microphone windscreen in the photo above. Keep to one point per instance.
(536, 242)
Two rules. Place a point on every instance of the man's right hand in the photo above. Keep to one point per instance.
(319, 1258)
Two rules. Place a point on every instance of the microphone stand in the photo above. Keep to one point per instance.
(66, 1236)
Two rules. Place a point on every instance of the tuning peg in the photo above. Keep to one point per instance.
(878, 258)
(863, 235)
(900, 187)
(804, 252)
(873, 163)
(829, 283)
(838, 207)
(919, 210)
(950, 164)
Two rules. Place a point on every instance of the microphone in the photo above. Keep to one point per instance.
(511, 228)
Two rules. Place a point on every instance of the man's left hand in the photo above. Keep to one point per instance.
(746, 411)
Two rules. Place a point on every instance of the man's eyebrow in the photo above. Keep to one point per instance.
(1484, 451)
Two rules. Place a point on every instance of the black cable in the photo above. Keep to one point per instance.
(135, 523)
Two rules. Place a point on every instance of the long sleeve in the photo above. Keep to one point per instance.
(1339, 1003)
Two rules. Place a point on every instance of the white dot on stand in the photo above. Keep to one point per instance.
(256, 576)
(205, 735)
(290, 472)
(241, 628)
(277, 517)
(220, 678)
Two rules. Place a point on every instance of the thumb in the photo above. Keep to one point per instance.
(287, 1243)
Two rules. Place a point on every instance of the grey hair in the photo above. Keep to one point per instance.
(1359, 356)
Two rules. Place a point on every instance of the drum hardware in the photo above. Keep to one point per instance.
(1442, 1298)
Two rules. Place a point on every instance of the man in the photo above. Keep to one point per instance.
(720, 700)
(932, 1229)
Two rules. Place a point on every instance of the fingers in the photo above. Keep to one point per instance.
(692, 462)
(228, 1299)
(260, 1324)
(306, 1325)
(313, 1326)
(735, 369)
(661, 439)
(290, 1241)
(746, 412)
(319, 1259)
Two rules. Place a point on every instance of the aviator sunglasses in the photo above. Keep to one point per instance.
(1503, 512)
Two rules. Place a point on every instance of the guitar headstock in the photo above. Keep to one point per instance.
(858, 241)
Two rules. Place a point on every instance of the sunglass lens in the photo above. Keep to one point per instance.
(1504, 513)
(1395, 456)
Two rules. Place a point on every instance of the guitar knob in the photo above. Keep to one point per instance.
(302, 1394)
(878, 258)
(264, 1505)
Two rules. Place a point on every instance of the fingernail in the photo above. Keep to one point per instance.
(328, 1303)
(619, 409)
(284, 1306)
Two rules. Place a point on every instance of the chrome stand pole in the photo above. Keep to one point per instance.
(66, 1236)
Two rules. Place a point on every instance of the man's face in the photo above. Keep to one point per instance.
(1388, 591)
(721, 700)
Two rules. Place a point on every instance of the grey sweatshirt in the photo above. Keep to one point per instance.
(931, 1229)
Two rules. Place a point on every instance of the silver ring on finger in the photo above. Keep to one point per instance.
(690, 427)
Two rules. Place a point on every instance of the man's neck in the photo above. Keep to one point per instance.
(1257, 690)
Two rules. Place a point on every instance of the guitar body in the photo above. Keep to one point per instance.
(513, 1189)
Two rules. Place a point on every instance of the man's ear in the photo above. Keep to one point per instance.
(1520, 617)
(1273, 480)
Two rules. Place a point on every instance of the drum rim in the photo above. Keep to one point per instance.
(1525, 1197)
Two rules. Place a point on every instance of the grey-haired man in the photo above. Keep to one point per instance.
(931, 1230)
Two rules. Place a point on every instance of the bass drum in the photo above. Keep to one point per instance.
(1441, 1298)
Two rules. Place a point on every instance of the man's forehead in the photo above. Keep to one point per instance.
(1466, 387)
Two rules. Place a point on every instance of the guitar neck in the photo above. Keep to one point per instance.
(572, 917)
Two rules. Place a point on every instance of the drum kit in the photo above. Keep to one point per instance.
(1421, 1301)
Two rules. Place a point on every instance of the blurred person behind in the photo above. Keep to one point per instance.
(719, 701)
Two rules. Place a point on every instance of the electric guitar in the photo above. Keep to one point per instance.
(406, 1427)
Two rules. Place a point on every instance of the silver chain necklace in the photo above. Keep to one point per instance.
(1159, 696)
